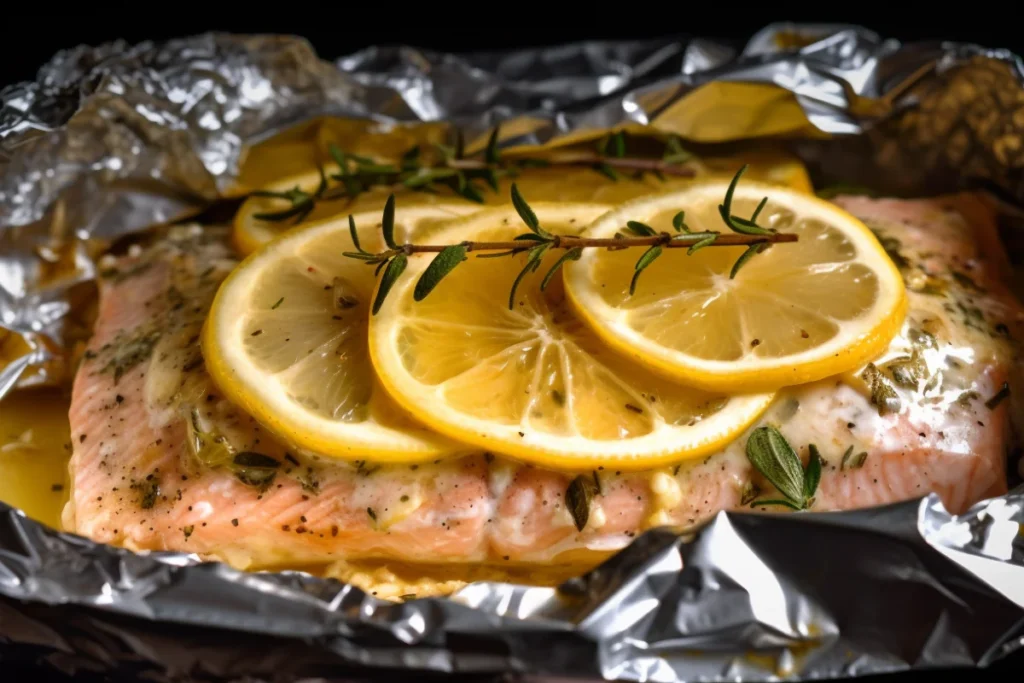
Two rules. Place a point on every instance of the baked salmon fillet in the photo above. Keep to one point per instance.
(163, 462)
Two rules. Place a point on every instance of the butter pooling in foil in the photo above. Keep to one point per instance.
(114, 139)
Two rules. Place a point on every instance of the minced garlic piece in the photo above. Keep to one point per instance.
(666, 490)
(660, 518)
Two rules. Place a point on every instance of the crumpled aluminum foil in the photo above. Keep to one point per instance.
(113, 139)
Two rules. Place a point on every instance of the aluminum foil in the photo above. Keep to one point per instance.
(114, 139)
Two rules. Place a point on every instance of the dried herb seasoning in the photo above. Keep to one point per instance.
(883, 394)
(255, 469)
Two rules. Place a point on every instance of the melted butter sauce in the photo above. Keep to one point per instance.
(35, 445)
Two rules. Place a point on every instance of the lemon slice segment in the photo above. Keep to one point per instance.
(286, 341)
(797, 313)
(533, 382)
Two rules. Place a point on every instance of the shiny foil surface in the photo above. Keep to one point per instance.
(111, 140)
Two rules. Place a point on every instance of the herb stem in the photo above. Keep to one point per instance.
(565, 242)
(538, 241)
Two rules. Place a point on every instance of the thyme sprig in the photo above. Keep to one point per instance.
(438, 166)
(537, 242)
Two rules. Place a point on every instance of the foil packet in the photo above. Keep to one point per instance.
(114, 139)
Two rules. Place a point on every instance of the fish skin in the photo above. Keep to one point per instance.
(485, 509)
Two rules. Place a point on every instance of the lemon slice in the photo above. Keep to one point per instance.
(533, 382)
(286, 341)
(796, 313)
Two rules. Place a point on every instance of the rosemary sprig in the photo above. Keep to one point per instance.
(537, 242)
(440, 166)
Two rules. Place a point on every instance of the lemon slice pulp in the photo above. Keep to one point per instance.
(286, 341)
(797, 313)
(533, 382)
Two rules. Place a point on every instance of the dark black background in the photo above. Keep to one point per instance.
(338, 28)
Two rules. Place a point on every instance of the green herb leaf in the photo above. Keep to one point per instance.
(679, 222)
(812, 475)
(700, 244)
(526, 213)
(573, 254)
(750, 253)
(354, 235)
(772, 456)
(725, 208)
(491, 176)
(640, 229)
(491, 153)
(395, 268)
(442, 264)
(578, 498)
(362, 256)
(388, 222)
(757, 211)
(470, 192)
(736, 224)
(532, 264)
(339, 158)
(746, 226)
(646, 259)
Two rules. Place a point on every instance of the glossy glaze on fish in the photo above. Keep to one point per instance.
(155, 461)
